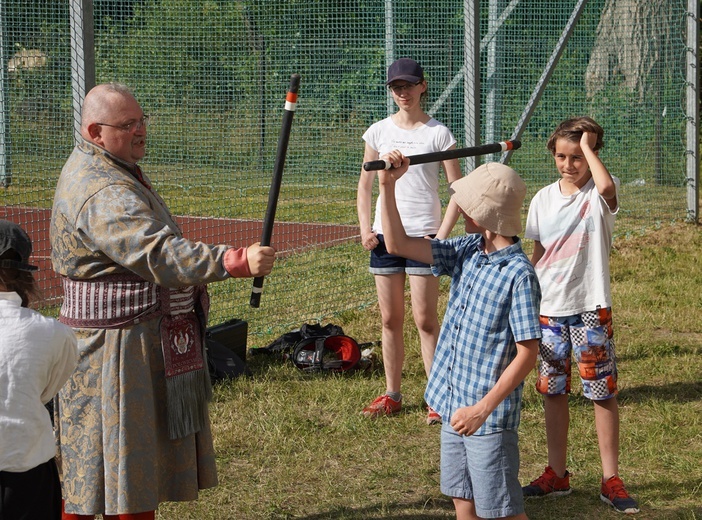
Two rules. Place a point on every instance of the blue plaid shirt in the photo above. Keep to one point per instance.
(493, 303)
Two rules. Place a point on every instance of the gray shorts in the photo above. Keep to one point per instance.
(482, 468)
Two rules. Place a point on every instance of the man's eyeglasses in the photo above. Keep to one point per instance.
(399, 89)
(131, 127)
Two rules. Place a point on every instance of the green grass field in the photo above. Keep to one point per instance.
(292, 445)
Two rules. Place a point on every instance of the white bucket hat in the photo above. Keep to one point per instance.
(492, 195)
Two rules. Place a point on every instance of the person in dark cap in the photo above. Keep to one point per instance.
(37, 356)
(412, 131)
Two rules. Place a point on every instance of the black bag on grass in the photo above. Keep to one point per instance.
(223, 363)
(284, 345)
(336, 353)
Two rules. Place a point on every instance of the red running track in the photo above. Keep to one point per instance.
(287, 238)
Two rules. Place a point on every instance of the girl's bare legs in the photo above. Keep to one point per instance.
(425, 296)
(391, 299)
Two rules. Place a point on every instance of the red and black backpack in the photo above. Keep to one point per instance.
(336, 353)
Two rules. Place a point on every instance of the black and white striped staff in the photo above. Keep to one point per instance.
(283, 138)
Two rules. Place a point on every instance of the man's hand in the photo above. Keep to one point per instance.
(468, 419)
(260, 259)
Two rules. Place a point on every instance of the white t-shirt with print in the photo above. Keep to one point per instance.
(576, 233)
(417, 191)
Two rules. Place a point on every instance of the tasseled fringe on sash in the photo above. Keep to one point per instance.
(187, 396)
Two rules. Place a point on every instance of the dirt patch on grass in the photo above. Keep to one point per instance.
(675, 234)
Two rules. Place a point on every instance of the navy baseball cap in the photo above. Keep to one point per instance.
(13, 237)
(405, 69)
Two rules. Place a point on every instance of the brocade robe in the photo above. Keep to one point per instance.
(115, 454)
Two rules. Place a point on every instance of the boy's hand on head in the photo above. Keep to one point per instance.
(588, 140)
(399, 163)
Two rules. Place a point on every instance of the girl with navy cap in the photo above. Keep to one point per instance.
(412, 131)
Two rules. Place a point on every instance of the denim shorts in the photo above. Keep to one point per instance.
(482, 468)
(382, 262)
(587, 336)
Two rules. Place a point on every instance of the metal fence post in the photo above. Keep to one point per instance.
(5, 145)
(493, 75)
(389, 49)
(693, 110)
(471, 78)
(82, 56)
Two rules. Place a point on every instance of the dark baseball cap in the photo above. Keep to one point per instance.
(13, 237)
(405, 69)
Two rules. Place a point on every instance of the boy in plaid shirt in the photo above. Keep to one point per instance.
(489, 337)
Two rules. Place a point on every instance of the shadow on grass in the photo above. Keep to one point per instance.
(681, 392)
(675, 392)
(427, 510)
(263, 362)
(682, 344)
(581, 504)
(585, 504)
(665, 492)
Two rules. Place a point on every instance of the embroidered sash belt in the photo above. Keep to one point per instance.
(120, 301)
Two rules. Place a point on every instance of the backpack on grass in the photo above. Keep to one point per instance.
(284, 345)
(336, 353)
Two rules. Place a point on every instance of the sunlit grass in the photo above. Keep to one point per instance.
(292, 445)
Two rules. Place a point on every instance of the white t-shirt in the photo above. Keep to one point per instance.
(576, 233)
(417, 191)
(37, 356)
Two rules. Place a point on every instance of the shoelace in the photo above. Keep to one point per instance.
(545, 481)
(615, 488)
(382, 402)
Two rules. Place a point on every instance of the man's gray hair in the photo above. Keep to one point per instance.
(118, 88)
(96, 106)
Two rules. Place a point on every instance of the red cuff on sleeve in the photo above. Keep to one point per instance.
(236, 263)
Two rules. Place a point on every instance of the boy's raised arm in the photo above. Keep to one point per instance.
(396, 240)
(600, 174)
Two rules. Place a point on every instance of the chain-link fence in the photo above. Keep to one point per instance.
(213, 74)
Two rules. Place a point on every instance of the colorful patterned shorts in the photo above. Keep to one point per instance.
(589, 335)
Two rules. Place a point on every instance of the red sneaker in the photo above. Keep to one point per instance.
(614, 493)
(432, 416)
(548, 484)
(383, 405)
